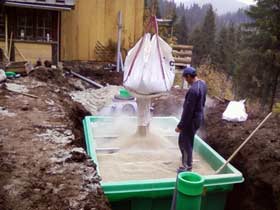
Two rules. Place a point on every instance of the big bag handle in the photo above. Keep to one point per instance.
(152, 23)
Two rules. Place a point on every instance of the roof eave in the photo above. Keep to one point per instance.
(39, 6)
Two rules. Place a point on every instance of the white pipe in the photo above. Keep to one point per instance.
(119, 40)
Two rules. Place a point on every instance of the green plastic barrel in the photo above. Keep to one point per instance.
(189, 191)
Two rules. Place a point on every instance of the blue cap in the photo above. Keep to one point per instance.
(189, 71)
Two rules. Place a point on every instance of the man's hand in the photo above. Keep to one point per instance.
(178, 130)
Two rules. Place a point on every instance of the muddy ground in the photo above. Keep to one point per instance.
(43, 165)
(259, 161)
(42, 161)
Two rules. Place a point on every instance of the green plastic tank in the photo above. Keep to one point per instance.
(207, 192)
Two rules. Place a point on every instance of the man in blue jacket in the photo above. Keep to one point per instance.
(192, 116)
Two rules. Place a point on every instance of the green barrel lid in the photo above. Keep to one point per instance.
(190, 183)
(124, 93)
(10, 74)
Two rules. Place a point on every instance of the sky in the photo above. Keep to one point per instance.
(248, 1)
(221, 6)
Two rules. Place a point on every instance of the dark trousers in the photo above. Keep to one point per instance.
(186, 140)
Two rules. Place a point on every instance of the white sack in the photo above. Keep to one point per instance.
(2, 75)
(235, 112)
(146, 75)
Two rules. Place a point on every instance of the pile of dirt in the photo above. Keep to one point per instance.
(259, 161)
(49, 75)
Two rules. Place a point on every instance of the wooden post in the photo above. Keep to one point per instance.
(6, 34)
(10, 46)
(119, 40)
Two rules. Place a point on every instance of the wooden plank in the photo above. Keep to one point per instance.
(181, 65)
(186, 60)
(19, 52)
(182, 47)
(186, 53)
(25, 94)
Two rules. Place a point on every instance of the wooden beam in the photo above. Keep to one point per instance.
(186, 60)
(20, 53)
(181, 65)
(25, 94)
(182, 47)
(58, 36)
(186, 53)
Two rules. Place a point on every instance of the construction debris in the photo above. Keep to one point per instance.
(20, 67)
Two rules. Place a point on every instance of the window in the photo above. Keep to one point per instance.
(2, 25)
(44, 27)
(25, 26)
(37, 25)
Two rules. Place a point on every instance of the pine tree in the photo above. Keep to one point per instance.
(208, 32)
(196, 39)
(181, 31)
(231, 50)
(259, 69)
(220, 55)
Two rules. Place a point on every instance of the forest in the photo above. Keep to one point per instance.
(245, 45)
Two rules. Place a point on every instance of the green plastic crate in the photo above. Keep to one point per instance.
(157, 194)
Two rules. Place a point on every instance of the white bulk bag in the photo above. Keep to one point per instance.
(235, 112)
(149, 66)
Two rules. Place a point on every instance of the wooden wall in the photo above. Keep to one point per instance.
(2, 45)
(33, 51)
(96, 20)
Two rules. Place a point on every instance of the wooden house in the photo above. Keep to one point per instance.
(63, 30)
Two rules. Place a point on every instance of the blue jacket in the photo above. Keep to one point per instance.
(193, 109)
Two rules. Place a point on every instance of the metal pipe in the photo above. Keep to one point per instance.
(119, 40)
(87, 80)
